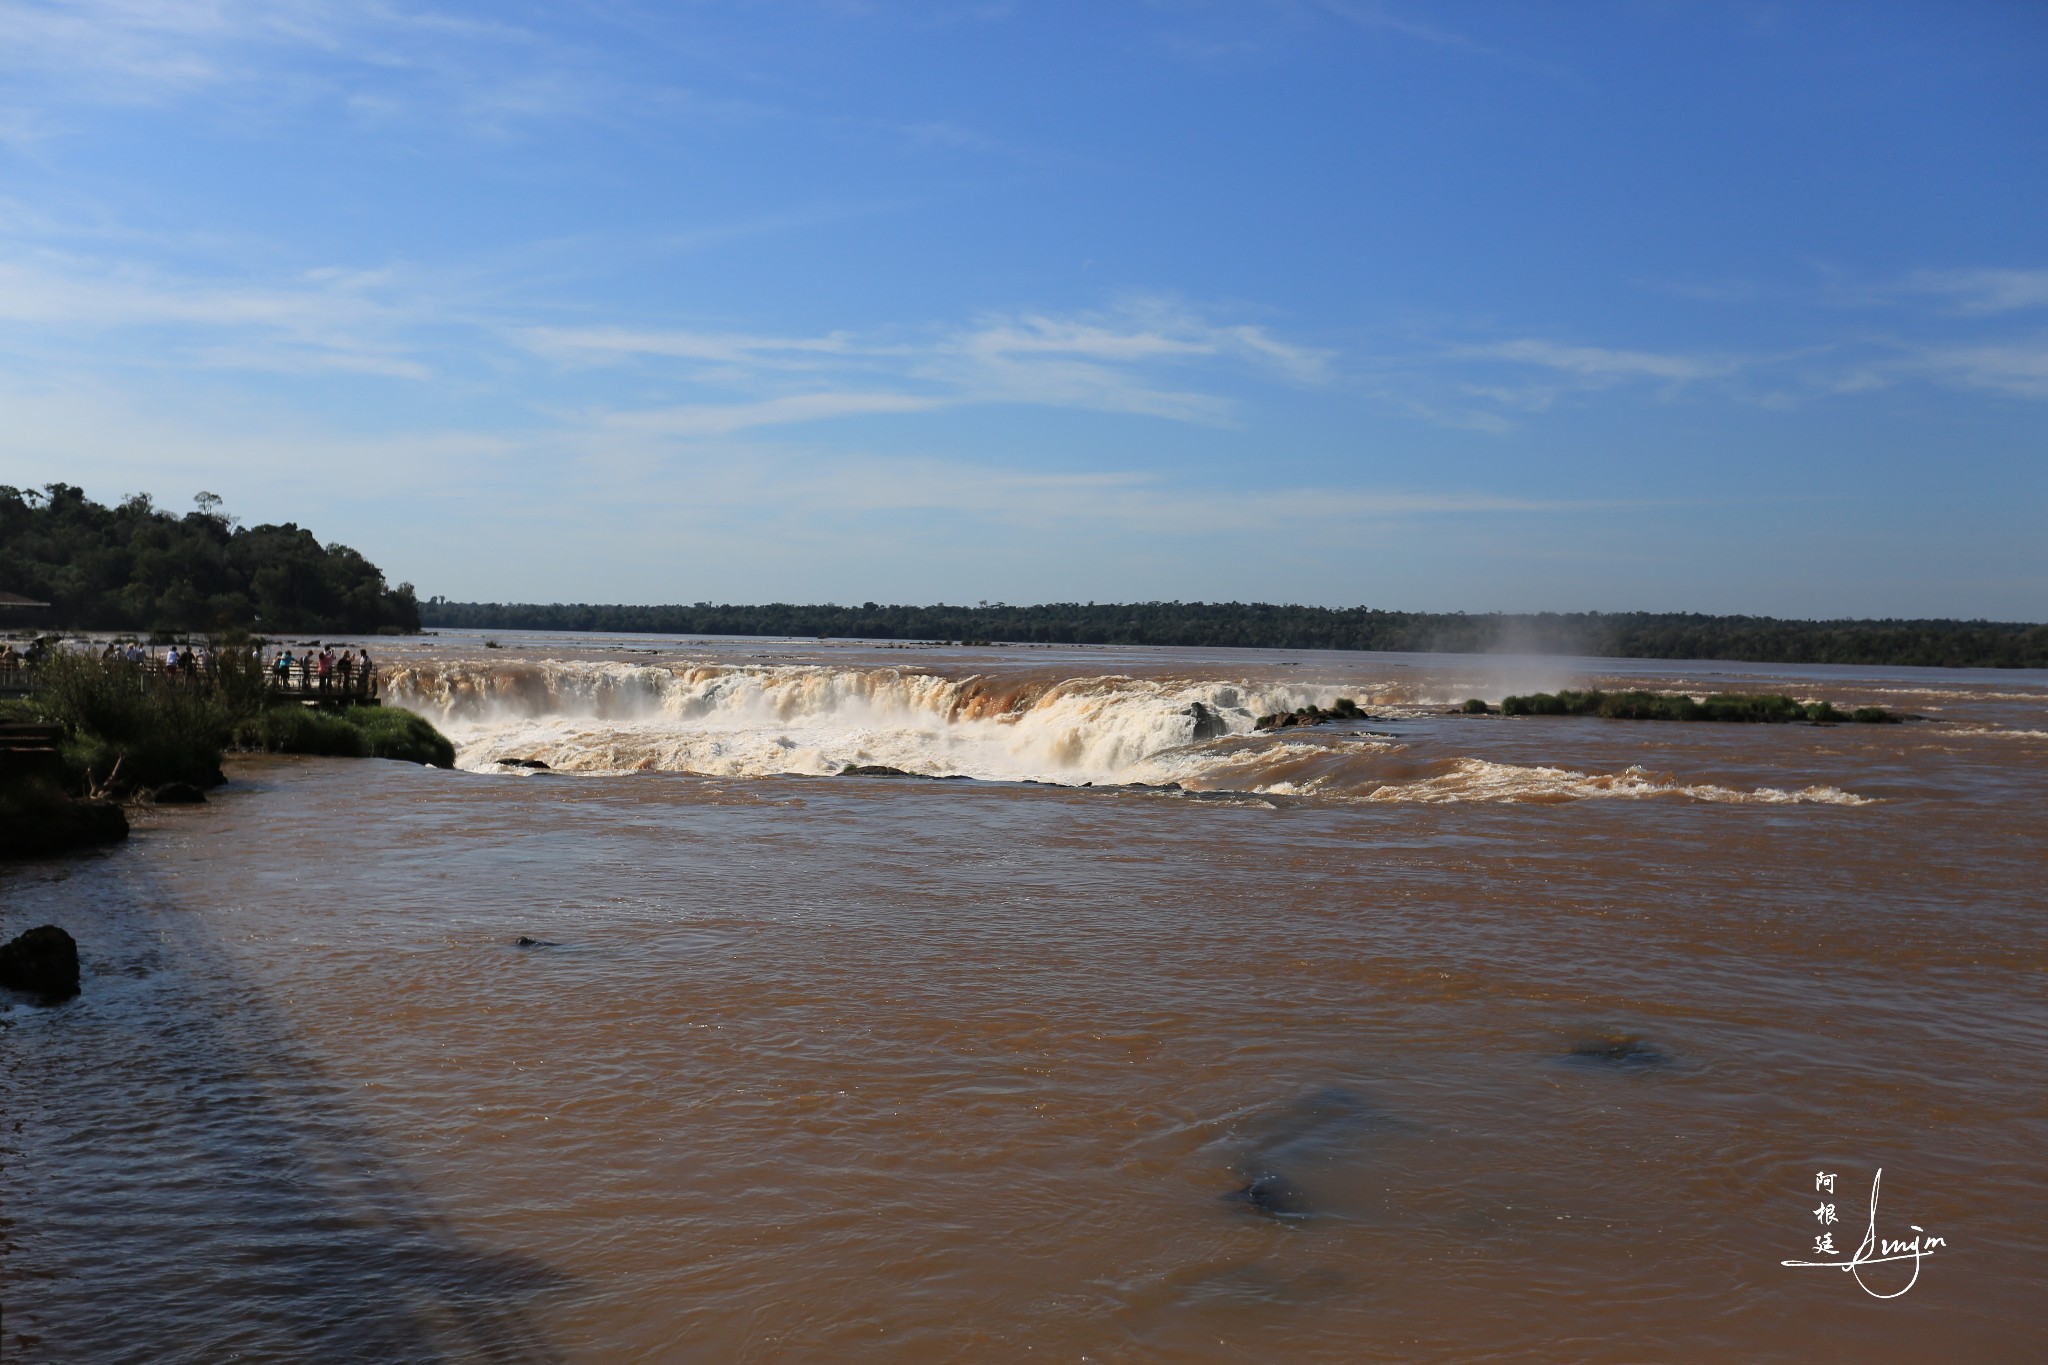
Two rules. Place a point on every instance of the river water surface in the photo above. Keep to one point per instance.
(1422, 1037)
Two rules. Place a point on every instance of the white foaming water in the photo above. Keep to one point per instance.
(1474, 779)
(757, 721)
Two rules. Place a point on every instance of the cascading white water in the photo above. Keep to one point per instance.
(751, 721)
(758, 720)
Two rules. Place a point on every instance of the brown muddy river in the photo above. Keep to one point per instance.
(1416, 1038)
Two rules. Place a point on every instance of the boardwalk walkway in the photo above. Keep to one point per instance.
(28, 749)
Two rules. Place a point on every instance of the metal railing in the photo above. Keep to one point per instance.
(306, 681)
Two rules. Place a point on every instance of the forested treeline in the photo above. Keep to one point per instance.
(138, 567)
(1636, 635)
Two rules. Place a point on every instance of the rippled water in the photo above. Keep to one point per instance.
(1431, 1037)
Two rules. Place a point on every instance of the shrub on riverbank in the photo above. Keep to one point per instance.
(117, 716)
(352, 732)
(126, 728)
(1636, 704)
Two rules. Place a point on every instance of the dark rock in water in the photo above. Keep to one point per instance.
(1617, 1050)
(525, 942)
(1208, 725)
(1273, 1196)
(177, 794)
(43, 961)
(874, 770)
(523, 763)
(1306, 1135)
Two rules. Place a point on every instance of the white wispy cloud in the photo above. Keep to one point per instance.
(320, 319)
(111, 439)
(379, 62)
(2018, 368)
(1984, 291)
(606, 344)
(722, 419)
(1144, 356)
(1603, 363)
(1123, 360)
(1388, 18)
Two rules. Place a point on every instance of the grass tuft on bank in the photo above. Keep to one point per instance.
(351, 732)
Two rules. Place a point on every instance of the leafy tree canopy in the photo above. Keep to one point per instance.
(138, 567)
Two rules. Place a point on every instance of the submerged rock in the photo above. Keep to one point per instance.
(177, 794)
(524, 941)
(522, 763)
(1617, 1050)
(1307, 1135)
(874, 770)
(43, 961)
(1273, 1196)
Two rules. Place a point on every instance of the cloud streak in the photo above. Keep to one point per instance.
(1124, 360)
(1984, 291)
(1602, 364)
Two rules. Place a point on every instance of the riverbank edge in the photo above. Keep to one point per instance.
(64, 808)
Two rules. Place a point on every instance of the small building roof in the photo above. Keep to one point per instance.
(15, 599)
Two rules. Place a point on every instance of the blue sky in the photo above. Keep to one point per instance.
(1671, 306)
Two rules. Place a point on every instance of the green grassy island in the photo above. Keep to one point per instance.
(1636, 704)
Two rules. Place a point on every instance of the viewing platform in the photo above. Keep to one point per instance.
(357, 687)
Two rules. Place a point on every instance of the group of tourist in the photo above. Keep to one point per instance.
(186, 660)
(178, 660)
(13, 660)
(322, 669)
(316, 668)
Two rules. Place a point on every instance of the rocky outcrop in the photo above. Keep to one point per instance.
(884, 770)
(1341, 709)
(177, 794)
(43, 961)
(1208, 724)
(532, 763)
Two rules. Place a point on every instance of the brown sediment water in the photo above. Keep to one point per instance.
(1425, 1037)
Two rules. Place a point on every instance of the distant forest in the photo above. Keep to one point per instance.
(1256, 625)
(138, 567)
